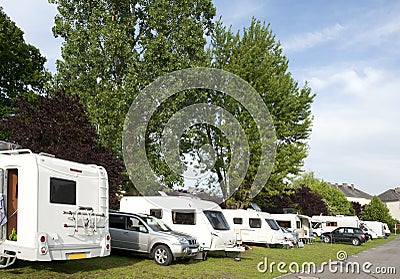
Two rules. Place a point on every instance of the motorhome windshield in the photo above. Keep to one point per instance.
(217, 220)
(273, 224)
(157, 225)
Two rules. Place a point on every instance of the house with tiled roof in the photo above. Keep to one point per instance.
(352, 193)
(391, 198)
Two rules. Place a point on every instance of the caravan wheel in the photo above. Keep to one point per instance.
(162, 255)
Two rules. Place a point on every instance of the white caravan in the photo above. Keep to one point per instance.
(324, 223)
(254, 226)
(51, 209)
(301, 224)
(378, 227)
(200, 218)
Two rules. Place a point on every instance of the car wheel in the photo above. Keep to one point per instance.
(162, 255)
(355, 241)
(327, 239)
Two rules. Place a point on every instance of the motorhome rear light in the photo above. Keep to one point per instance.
(43, 250)
(108, 246)
(42, 239)
(75, 170)
(108, 237)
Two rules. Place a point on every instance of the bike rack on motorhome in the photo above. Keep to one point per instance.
(200, 218)
(51, 209)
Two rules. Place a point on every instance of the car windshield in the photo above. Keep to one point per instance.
(156, 224)
(217, 220)
(272, 224)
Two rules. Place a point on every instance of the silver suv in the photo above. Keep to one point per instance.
(146, 234)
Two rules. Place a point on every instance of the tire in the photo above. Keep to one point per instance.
(162, 255)
(204, 256)
(355, 241)
(327, 239)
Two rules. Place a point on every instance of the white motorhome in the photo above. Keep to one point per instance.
(301, 224)
(378, 227)
(51, 209)
(253, 226)
(324, 223)
(200, 218)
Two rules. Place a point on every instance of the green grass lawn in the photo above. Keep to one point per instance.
(127, 265)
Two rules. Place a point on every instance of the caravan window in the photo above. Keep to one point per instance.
(183, 218)
(331, 224)
(284, 224)
(272, 224)
(217, 220)
(238, 221)
(255, 223)
(62, 191)
(156, 213)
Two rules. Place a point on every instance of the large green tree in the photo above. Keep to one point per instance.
(22, 69)
(257, 57)
(114, 48)
(376, 210)
(334, 199)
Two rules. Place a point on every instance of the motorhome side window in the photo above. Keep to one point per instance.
(255, 223)
(284, 224)
(331, 224)
(156, 213)
(183, 218)
(238, 221)
(62, 191)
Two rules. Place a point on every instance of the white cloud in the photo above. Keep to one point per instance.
(310, 39)
(382, 30)
(356, 131)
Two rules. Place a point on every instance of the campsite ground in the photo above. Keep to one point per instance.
(127, 265)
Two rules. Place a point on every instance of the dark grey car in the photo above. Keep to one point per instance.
(345, 234)
(146, 234)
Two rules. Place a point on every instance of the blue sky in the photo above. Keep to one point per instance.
(348, 51)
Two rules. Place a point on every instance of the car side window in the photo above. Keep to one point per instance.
(134, 224)
(350, 230)
(117, 222)
(341, 230)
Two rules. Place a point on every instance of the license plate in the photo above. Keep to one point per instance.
(77, 256)
(194, 250)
